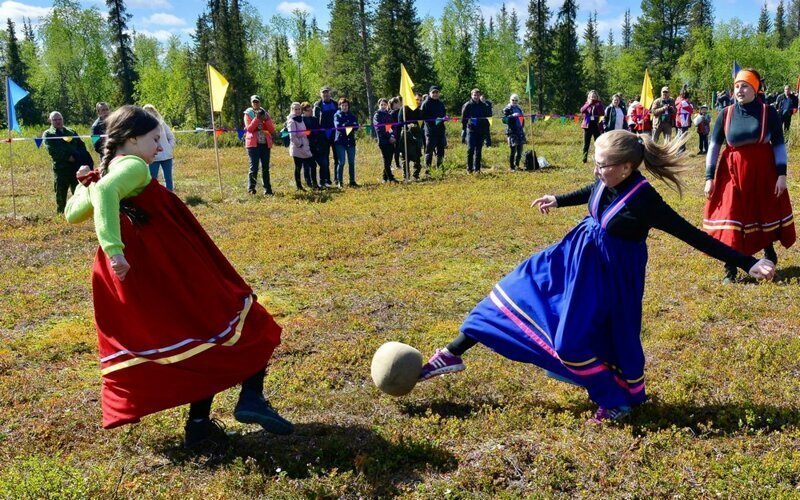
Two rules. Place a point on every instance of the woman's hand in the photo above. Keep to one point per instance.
(545, 203)
(780, 186)
(763, 269)
(709, 188)
(85, 169)
(120, 266)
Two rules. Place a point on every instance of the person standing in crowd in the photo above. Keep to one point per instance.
(629, 114)
(345, 143)
(387, 139)
(514, 119)
(68, 153)
(683, 112)
(643, 125)
(315, 138)
(324, 109)
(489, 105)
(703, 123)
(474, 129)
(662, 112)
(434, 115)
(258, 141)
(300, 148)
(592, 111)
(396, 111)
(164, 157)
(614, 115)
(575, 309)
(786, 106)
(748, 205)
(176, 324)
(99, 127)
(412, 138)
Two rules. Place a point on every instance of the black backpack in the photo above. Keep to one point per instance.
(531, 162)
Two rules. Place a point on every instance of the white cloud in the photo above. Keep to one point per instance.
(492, 10)
(163, 19)
(150, 4)
(16, 11)
(601, 6)
(160, 35)
(289, 7)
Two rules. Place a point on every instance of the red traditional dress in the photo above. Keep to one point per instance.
(743, 210)
(183, 325)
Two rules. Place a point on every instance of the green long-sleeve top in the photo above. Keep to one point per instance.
(60, 150)
(127, 176)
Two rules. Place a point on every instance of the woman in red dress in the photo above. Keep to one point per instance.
(748, 205)
(176, 323)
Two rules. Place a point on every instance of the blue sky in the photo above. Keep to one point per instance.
(161, 18)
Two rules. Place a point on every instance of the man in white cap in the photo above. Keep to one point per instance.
(663, 111)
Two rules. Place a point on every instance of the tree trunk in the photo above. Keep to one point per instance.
(365, 53)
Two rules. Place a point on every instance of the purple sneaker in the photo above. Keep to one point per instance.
(440, 363)
(609, 414)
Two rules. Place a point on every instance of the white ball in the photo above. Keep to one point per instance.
(395, 368)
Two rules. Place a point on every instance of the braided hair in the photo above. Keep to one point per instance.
(124, 123)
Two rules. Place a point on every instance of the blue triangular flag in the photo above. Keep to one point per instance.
(14, 93)
(240, 133)
(736, 69)
(328, 132)
(38, 141)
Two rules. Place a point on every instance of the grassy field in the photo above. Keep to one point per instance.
(344, 272)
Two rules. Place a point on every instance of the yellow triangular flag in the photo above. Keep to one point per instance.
(407, 89)
(546, 117)
(647, 91)
(67, 138)
(347, 130)
(491, 120)
(218, 85)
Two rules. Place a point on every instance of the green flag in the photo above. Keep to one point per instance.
(530, 87)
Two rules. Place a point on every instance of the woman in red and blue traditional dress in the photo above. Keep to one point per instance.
(176, 324)
(748, 205)
(575, 308)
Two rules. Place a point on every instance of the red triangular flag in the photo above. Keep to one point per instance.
(218, 132)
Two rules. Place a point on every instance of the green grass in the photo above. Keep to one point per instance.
(344, 272)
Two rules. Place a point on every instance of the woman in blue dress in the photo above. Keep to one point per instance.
(575, 308)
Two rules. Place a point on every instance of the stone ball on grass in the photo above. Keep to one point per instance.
(396, 368)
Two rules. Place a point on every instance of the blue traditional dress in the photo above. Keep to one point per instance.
(575, 308)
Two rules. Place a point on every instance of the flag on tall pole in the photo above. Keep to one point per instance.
(14, 94)
(530, 88)
(736, 69)
(410, 101)
(647, 90)
(217, 87)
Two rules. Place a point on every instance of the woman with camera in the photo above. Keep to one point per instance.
(258, 141)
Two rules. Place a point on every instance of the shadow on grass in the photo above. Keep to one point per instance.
(194, 201)
(316, 448)
(711, 420)
(447, 409)
(787, 274)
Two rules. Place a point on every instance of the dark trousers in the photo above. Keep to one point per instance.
(514, 156)
(321, 157)
(681, 131)
(256, 155)
(703, 139)
(202, 409)
(434, 143)
(475, 142)
(396, 153)
(308, 168)
(590, 132)
(388, 151)
(64, 181)
(787, 121)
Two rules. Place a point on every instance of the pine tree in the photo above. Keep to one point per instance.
(539, 47)
(366, 56)
(568, 75)
(27, 30)
(793, 24)
(780, 26)
(592, 56)
(397, 41)
(345, 68)
(764, 23)
(701, 15)
(610, 38)
(661, 32)
(124, 63)
(627, 30)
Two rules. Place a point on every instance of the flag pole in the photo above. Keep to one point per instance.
(10, 153)
(406, 166)
(214, 129)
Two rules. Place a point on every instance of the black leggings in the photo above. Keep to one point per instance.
(308, 167)
(388, 152)
(460, 345)
(514, 156)
(592, 131)
(202, 409)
